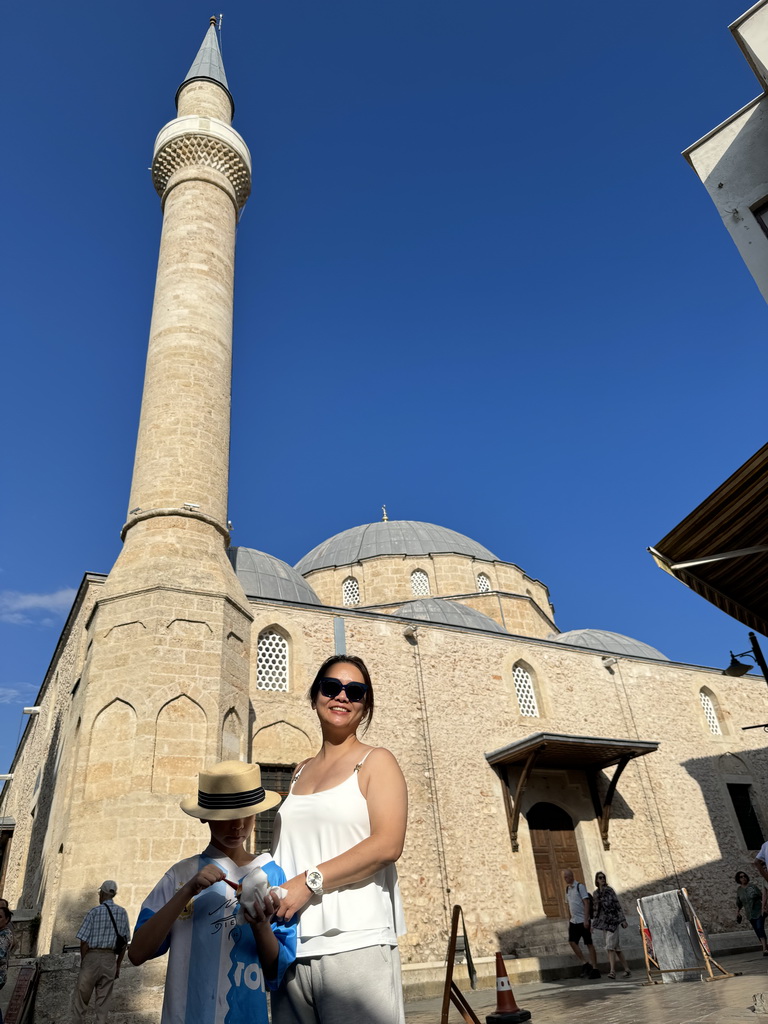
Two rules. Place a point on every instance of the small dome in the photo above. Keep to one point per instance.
(612, 643)
(450, 613)
(263, 575)
(400, 537)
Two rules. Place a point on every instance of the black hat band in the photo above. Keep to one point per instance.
(226, 801)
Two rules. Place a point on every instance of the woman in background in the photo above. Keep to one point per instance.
(6, 942)
(608, 916)
(750, 899)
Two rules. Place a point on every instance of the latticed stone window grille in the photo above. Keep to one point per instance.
(350, 592)
(483, 583)
(526, 694)
(710, 714)
(272, 661)
(277, 778)
(419, 583)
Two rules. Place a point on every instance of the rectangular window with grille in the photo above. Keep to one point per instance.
(276, 777)
(745, 812)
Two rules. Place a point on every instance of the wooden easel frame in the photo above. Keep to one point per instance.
(19, 1008)
(652, 964)
(451, 991)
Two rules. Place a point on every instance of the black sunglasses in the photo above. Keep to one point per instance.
(354, 692)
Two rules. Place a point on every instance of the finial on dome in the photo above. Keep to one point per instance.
(384, 516)
(213, 19)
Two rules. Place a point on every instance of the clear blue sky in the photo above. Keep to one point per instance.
(476, 281)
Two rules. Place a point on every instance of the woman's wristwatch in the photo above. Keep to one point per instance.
(314, 879)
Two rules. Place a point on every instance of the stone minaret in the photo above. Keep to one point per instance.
(166, 680)
(201, 169)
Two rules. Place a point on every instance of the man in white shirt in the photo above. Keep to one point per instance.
(579, 923)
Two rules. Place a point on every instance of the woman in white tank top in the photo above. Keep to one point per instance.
(337, 837)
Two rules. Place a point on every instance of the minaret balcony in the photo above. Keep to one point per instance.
(202, 141)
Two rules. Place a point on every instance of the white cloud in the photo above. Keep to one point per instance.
(16, 693)
(23, 609)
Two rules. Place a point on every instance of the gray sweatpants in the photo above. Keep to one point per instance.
(362, 985)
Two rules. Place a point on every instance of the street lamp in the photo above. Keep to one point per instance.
(739, 668)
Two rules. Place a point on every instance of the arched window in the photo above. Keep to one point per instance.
(350, 592)
(710, 713)
(272, 661)
(483, 583)
(419, 583)
(525, 691)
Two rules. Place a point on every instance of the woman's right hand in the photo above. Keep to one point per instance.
(298, 895)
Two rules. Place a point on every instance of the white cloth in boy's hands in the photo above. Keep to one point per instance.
(255, 886)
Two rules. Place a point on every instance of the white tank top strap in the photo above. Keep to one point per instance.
(360, 764)
(299, 770)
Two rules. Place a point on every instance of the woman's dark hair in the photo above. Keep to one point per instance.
(600, 874)
(346, 659)
(740, 875)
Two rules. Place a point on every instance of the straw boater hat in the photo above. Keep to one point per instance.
(229, 790)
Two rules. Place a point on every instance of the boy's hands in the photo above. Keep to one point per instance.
(261, 914)
(209, 876)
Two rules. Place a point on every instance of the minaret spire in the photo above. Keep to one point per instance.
(208, 65)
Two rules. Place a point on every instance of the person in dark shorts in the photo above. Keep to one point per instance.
(749, 902)
(579, 923)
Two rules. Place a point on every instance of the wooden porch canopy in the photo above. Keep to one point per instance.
(720, 550)
(555, 750)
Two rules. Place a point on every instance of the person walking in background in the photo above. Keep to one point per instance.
(103, 937)
(751, 899)
(6, 942)
(608, 917)
(338, 834)
(4, 906)
(580, 923)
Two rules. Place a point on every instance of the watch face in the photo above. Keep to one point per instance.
(314, 880)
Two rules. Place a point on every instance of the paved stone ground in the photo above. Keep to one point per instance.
(575, 1001)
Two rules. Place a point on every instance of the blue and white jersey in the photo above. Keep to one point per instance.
(214, 975)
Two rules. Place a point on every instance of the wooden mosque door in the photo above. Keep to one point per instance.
(554, 849)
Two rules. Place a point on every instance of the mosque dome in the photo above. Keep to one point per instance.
(263, 575)
(611, 643)
(398, 537)
(450, 613)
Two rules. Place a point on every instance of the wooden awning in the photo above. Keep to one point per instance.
(589, 754)
(720, 550)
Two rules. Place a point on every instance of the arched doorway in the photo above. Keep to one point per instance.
(554, 849)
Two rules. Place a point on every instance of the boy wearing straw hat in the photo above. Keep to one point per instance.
(218, 967)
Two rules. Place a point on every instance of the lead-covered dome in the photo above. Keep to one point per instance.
(611, 643)
(397, 537)
(263, 575)
(449, 613)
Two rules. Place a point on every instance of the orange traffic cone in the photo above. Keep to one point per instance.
(507, 1010)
